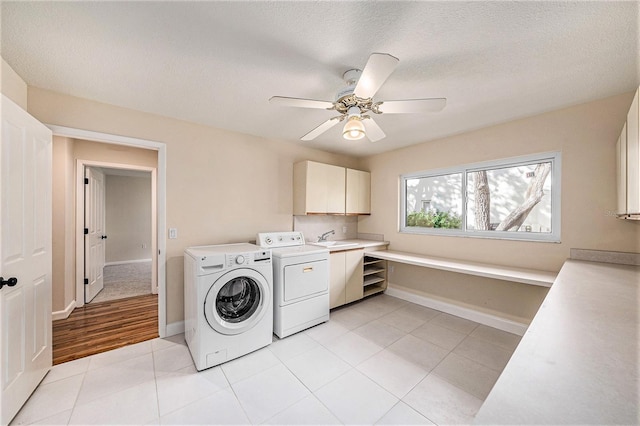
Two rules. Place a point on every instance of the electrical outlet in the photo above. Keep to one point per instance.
(144, 245)
(391, 268)
(344, 229)
(173, 233)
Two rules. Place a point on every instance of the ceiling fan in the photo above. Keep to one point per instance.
(355, 101)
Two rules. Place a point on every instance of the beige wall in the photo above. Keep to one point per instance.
(12, 86)
(225, 187)
(63, 221)
(512, 301)
(585, 135)
(222, 186)
(128, 218)
(115, 154)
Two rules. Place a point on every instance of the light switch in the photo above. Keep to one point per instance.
(173, 233)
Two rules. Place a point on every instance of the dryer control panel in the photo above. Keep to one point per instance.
(280, 239)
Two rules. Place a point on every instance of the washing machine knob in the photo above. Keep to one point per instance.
(240, 259)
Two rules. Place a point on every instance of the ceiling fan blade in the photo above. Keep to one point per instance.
(412, 106)
(372, 130)
(301, 103)
(321, 128)
(379, 67)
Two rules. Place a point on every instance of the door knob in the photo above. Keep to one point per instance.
(104, 237)
(10, 282)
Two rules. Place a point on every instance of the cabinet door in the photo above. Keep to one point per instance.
(335, 188)
(354, 275)
(621, 169)
(364, 198)
(358, 197)
(337, 286)
(317, 190)
(633, 158)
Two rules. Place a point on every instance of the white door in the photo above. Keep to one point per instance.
(95, 236)
(25, 255)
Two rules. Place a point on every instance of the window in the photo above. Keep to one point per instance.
(516, 198)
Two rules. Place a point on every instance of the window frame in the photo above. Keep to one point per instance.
(555, 158)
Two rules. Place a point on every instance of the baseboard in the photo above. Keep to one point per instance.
(124, 262)
(490, 320)
(58, 315)
(174, 328)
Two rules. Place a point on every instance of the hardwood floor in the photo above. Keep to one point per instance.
(104, 326)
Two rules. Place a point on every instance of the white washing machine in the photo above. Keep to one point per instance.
(228, 301)
(300, 282)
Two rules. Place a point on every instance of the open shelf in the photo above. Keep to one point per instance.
(373, 270)
(375, 275)
(374, 289)
(373, 280)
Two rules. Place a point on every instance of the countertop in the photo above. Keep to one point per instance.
(519, 275)
(578, 362)
(357, 244)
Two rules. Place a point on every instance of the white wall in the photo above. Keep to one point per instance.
(128, 218)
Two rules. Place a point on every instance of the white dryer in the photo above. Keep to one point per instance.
(228, 301)
(300, 282)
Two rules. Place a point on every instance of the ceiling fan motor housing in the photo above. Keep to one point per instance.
(345, 98)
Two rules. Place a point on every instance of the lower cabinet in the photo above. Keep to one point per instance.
(346, 277)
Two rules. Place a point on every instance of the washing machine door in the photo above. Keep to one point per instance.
(237, 301)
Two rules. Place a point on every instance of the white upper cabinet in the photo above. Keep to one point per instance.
(318, 188)
(358, 192)
(628, 161)
(327, 189)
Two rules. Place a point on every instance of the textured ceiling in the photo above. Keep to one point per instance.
(218, 63)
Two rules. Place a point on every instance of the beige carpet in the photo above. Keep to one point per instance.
(126, 280)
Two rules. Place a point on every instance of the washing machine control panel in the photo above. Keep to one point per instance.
(235, 259)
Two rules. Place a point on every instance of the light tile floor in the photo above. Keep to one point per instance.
(378, 361)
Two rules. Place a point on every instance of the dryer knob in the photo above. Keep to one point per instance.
(240, 259)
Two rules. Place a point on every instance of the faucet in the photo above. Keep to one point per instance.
(324, 236)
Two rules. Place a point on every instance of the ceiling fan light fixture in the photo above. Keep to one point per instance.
(353, 130)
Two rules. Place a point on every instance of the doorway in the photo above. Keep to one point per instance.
(124, 227)
(158, 176)
(92, 232)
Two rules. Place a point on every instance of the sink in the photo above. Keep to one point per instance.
(334, 243)
(324, 243)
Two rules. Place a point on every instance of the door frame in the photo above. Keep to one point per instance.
(81, 166)
(160, 201)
